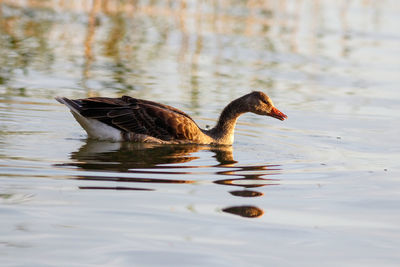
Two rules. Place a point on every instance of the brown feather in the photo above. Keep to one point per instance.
(139, 116)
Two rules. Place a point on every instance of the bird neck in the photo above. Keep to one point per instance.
(223, 132)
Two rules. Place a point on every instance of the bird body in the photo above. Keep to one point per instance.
(138, 120)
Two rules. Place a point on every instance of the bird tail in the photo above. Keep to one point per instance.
(94, 128)
(73, 105)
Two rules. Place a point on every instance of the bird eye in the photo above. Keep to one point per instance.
(265, 101)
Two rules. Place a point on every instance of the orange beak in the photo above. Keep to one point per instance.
(277, 114)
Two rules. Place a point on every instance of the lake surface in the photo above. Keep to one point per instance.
(322, 187)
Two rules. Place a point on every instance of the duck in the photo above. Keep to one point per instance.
(137, 120)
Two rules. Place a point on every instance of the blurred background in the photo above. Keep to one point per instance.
(197, 51)
(322, 186)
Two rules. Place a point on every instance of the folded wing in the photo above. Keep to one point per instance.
(137, 116)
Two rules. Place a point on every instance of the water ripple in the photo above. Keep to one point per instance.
(139, 164)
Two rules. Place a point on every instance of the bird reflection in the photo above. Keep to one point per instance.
(248, 177)
(129, 162)
(115, 188)
(127, 157)
(245, 211)
(246, 193)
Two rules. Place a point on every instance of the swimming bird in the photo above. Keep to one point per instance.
(137, 120)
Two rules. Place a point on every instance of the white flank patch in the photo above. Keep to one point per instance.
(98, 130)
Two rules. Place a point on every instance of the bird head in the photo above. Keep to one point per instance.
(259, 103)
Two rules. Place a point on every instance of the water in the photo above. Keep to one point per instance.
(322, 186)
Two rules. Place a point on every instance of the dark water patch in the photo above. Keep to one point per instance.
(132, 179)
(246, 193)
(122, 188)
(245, 211)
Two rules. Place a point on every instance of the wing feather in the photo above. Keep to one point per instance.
(139, 116)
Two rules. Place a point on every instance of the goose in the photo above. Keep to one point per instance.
(137, 120)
